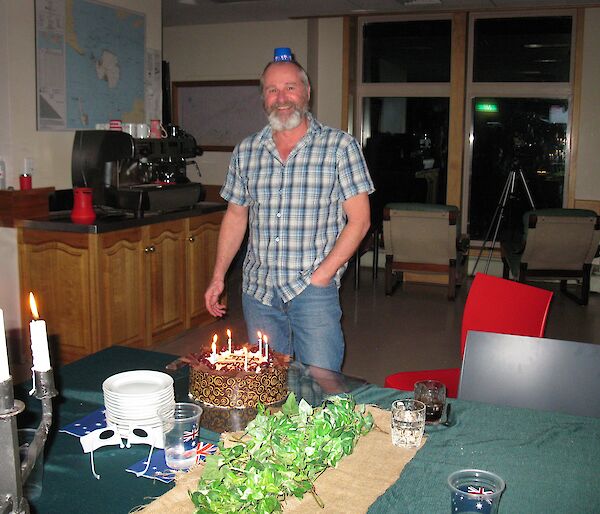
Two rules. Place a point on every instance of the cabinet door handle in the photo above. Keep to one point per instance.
(191, 239)
(149, 249)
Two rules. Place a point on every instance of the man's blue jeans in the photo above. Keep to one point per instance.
(308, 326)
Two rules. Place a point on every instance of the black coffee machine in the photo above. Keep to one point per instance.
(136, 175)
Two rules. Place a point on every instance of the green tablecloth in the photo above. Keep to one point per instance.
(550, 462)
(69, 486)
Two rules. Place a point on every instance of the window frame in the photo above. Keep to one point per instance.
(393, 89)
(448, 90)
(559, 90)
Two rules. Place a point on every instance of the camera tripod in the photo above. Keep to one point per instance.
(507, 193)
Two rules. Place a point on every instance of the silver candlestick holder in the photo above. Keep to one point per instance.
(15, 471)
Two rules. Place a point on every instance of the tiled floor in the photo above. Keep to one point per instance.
(416, 328)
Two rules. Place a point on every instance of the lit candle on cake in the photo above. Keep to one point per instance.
(4, 371)
(266, 348)
(259, 342)
(39, 339)
(229, 339)
(245, 359)
(213, 356)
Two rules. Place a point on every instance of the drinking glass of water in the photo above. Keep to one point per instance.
(408, 423)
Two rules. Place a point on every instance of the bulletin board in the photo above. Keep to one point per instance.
(219, 114)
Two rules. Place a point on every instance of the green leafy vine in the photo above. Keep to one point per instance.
(282, 457)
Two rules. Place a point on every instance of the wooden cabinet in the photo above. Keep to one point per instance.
(201, 252)
(60, 272)
(165, 271)
(132, 287)
(121, 288)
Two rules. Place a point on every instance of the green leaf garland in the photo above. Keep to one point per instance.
(283, 456)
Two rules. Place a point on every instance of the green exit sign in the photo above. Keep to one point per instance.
(486, 107)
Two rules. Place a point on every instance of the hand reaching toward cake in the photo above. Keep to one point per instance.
(211, 298)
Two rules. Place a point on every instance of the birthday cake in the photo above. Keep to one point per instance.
(238, 378)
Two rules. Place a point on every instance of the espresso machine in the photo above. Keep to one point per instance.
(136, 175)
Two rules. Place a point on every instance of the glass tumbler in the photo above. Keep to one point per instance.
(408, 423)
(433, 394)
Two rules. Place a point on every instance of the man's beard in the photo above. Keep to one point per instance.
(291, 121)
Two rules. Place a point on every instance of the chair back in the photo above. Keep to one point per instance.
(421, 232)
(560, 239)
(506, 307)
(541, 374)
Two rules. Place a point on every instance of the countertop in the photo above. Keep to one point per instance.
(60, 221)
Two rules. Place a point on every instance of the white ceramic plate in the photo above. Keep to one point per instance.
(137, 382)
(139, 402)
(150, 412)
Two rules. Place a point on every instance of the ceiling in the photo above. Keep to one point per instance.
(198, 12)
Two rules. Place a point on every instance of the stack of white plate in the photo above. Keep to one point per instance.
(132, 398)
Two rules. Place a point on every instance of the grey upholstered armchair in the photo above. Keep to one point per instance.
(423, 238)
(558, 244)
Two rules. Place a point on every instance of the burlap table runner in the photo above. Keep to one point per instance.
(350, 488)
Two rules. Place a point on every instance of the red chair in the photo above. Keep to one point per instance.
(493, 305)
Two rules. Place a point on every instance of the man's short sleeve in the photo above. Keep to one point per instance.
(234, 189)
(352, 170)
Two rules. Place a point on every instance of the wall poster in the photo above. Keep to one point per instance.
(89, 64)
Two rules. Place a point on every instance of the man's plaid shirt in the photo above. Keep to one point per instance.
(295, 207)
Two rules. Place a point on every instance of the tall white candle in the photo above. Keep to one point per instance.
(245, 359)
(4, 371)
(39, 339)
(259, 342)
(266, 348)
(229, 339)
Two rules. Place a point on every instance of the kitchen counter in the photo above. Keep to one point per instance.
(60, 221)
(121, 280)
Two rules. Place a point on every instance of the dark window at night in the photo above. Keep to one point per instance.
(410, 51)
(532, 49)
(406, 147)
(514, 135)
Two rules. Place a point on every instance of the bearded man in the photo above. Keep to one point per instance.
(301, 188)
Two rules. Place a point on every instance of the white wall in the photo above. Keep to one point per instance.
(240, 51)
(227, 51)
(19, 137)
(328, 107)
(4, 98)
(588, 166)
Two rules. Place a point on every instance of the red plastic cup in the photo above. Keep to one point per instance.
(25, 182)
